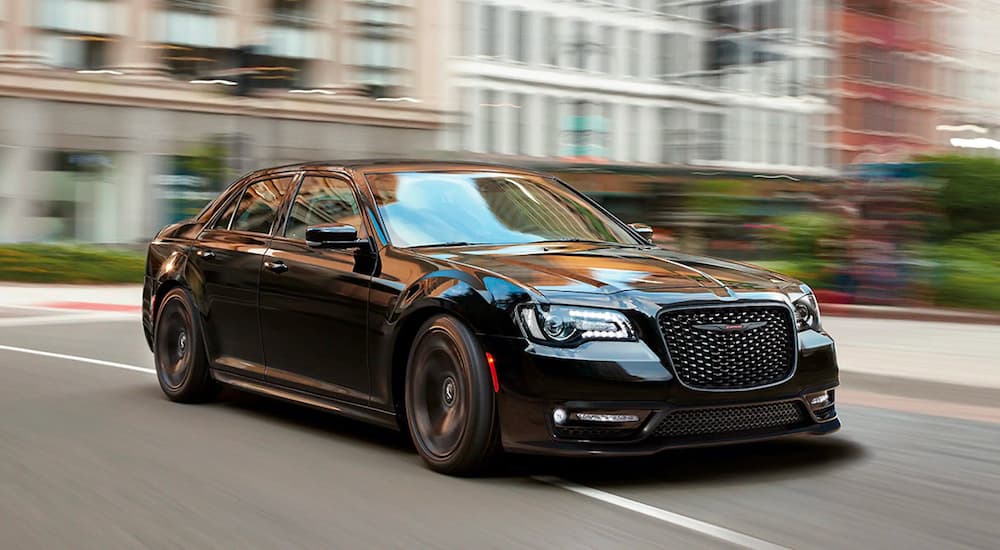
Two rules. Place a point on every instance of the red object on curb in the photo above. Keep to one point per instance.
(91, 306)
(833, 297)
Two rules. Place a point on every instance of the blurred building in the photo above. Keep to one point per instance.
(973, 126)
(901, 77)
(728, 84)
(117, 116)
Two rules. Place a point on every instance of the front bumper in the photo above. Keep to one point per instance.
(617, 377)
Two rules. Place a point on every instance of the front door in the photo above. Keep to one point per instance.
(228, 256)
(313, 302)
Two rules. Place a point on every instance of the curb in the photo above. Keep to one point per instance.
(910, 314)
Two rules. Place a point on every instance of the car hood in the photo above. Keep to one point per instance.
(608, 269)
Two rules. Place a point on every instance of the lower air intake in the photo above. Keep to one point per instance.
(732, 420)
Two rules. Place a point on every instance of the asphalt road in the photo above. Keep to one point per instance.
(93, 456)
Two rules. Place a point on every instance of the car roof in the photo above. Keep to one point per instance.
(394, 165)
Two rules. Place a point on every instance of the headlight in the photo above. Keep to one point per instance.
(806, 312)
(567, 325)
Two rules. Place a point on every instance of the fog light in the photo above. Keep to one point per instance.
(559, 416)
(819, 400)
(595, 417)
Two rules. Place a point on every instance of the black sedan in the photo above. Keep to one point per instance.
(479, 308)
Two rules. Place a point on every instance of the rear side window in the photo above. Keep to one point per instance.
(259, 205)
(323, 200)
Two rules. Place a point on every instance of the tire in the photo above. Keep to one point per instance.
(179, 351)
(450, 405)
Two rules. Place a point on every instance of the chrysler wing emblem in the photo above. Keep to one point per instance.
(741, 327)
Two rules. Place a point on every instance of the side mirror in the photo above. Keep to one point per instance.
(644, 231)
(334, 236)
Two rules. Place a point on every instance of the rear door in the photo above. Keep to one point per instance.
(314, 301)
(228, 256)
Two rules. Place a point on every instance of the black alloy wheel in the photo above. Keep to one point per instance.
(450, 405)
(179, 351)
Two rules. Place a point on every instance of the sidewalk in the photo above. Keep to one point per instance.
(122, 298)
(939, 315)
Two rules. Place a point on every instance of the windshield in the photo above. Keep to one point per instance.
(438, 208)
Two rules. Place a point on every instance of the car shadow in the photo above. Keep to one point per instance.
(301, 417)
(798, 456)
(795, 456)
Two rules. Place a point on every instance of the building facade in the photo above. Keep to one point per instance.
(900, 80)
(973, 125)
(118, 116)
(728, 84)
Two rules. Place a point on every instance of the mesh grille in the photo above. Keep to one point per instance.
(707, 354)
(729, 420)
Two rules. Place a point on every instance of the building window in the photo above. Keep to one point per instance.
(76, 52)
(552, 131)
(757, 135)
(678, 142)
(775, 135)
(490, 31)
(467, 10)
(379, 61)
(634, 126)
(552, 40)
(187, 62)
(520, 35)
(294, 12)
(633, 52)
(609, 35)
(490, 121)
(710, 142)
(520, 124)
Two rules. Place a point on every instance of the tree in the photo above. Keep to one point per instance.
(969, 195)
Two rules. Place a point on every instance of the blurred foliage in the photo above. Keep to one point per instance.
(966, 271)
(969, 195)
(720, 198)
(814, 272)
(800, 235)
(208, 160)
(47, 263)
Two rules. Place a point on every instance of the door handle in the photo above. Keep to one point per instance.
(205, 254)
(276, 266)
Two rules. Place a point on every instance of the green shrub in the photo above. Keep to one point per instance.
(966, 271)
(799, 235)
(969, 196)
(44, 263)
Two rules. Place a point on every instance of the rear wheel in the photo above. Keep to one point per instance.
(179, 351)
(450, 405)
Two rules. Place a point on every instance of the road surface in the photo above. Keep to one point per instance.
(93, 456)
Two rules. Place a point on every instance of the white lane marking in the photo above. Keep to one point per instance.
(679, 520)
(78, 359)
(64, 319)
(692, 524)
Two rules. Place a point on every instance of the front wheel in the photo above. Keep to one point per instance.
(179, 351)
(450, 406)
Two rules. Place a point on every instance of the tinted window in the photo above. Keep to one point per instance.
(323, 200)
(425, 208)
(227, 214)
(259, 206)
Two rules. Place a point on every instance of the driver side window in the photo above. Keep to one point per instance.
(323, 200)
